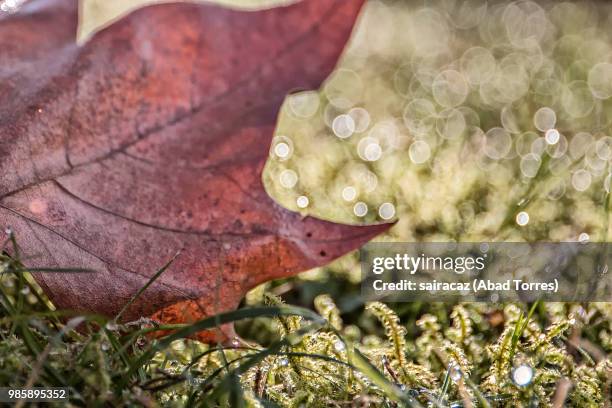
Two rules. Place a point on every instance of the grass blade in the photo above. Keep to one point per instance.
(145, 287)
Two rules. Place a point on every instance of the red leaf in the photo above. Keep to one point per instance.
(151, 138)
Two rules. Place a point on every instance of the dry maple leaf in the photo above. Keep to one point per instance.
(151, 138)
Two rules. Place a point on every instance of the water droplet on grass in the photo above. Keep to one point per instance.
(522, 218)
(386, 211)
(349, 193)
(302, 201)
(360, 209)
(544, 119)
(288, 178)
(522, 375)
(419, 152)
(581, 180)
(343, 126)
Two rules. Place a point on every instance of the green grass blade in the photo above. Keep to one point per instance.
(146, 286)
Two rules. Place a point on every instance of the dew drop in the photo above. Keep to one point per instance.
(386, 134)
(302, 201)
(593, 159)
(386, 211)
(451, 124)
(363, 144)
(360, 209)
(11, 6)
(111, 326)
(349, 193)
(600, 80)
(603, 148)
(450, 88)
(478, 65)
(361, 119)
(524, 142)
(581, 180)
(556, 190)
(288, 178)
(372, 152)
(530, 164)
(419, 116)
(538, 146)
(577, 99)
(556, 150)
(525, 22)
(343, 88)
(455, 372)
(522, 218)
(282, 150)
(343, 126)
(304, 104)
(497, 143)
(522, 375)
(552, 136)
(544, 119)
(579, 144)
(419, 152)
